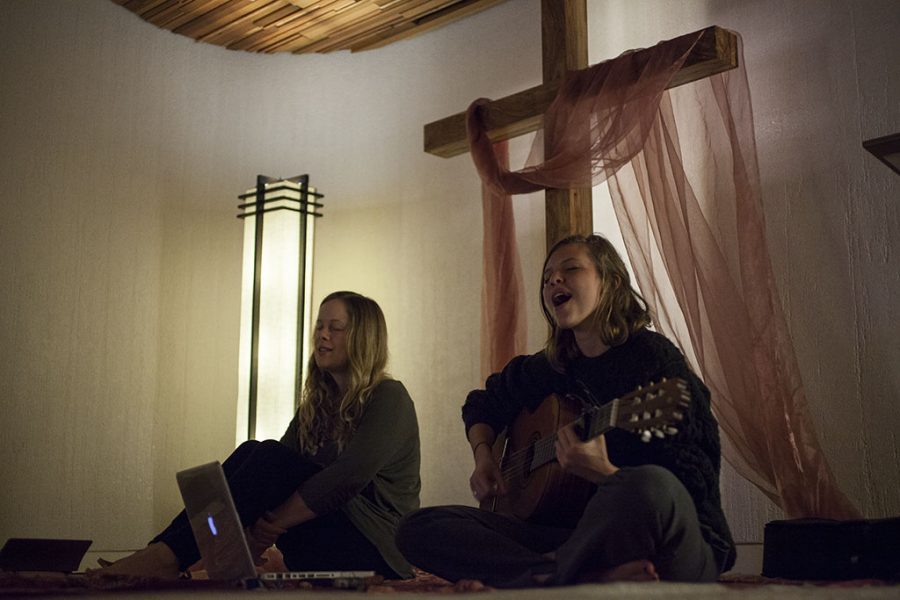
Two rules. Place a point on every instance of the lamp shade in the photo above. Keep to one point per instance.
(279, 227)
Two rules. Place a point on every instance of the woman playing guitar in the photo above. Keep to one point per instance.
(652, 508)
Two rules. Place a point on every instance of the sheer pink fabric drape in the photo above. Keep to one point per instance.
(503, 326)
(691, 217)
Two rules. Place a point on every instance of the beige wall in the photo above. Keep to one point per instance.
(124, 148)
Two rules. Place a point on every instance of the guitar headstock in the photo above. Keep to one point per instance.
(651, 410)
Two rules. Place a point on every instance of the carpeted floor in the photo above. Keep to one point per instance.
(427, 586)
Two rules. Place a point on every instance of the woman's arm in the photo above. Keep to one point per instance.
(386, 436)
(292, 511)
(271, 525)
(486, 480)
(523, 383)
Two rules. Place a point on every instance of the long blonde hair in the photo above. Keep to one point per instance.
(325, 414)
(620, 310)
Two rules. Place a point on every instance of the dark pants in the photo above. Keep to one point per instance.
(261, 476)
(637, 513)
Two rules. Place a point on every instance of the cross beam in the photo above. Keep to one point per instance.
(523, 112)
(564, 49)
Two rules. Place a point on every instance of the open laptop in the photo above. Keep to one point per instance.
(220, 535)
(39, 554)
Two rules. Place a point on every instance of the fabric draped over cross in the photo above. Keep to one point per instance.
(692, 222)
(502, 290)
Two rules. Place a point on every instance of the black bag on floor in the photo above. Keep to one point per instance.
(832, 550)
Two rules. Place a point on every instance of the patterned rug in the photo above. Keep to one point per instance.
(41, 584)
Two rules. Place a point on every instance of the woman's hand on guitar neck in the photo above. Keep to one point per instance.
(486, 480)
(589, 460)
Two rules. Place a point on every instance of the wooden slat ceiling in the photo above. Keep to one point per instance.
(302, 26)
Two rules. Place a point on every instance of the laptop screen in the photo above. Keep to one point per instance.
(38, 554)
(215, 523)
(220, 535)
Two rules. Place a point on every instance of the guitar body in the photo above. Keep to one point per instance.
(546, 495)
(539, 490)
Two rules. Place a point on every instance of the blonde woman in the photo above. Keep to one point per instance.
(330, 493)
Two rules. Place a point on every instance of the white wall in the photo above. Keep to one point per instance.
(125, 146)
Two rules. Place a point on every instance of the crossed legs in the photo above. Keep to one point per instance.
(639, 524)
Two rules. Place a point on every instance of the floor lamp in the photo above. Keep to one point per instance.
(279, 218)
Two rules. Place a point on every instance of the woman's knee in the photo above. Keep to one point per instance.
(268, 460)
(239, 455)
(648, 489)
(408, 535)
(411, 529)
(271, 451)
(651, 482)
(248, 445)
(246, 448)
(261, 449)
(422, 528)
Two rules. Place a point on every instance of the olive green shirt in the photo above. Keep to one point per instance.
(375, 480)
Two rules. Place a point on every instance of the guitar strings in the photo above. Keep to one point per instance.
(516, 467)
(515, 464)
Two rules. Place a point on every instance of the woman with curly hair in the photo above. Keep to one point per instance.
(651, 510)
(329, 494)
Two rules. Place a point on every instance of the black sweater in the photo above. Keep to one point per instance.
(692, 455)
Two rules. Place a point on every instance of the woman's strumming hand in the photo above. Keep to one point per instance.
(486, 480)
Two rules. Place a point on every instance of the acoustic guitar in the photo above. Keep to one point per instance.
(539, 490)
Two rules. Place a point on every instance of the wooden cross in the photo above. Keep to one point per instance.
(564, 48)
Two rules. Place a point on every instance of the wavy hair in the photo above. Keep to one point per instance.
(620, 309)
(325, 414)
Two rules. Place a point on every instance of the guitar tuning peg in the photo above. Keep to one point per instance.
(645, 436)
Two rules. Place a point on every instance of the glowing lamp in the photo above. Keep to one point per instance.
(279, 224)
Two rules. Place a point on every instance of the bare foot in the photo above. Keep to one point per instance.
(471, 585)
(156, 560)
(636, 570)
